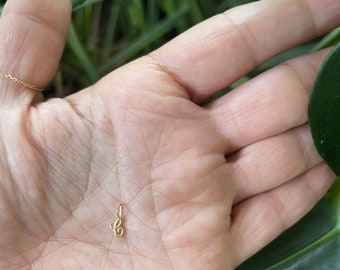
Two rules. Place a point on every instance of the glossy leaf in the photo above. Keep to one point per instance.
(324, 110)
(313, 243)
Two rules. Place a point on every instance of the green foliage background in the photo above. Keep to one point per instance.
(105, 34)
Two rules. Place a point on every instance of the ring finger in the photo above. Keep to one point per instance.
(267, 164)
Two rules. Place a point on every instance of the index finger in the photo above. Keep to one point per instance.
(215, 53)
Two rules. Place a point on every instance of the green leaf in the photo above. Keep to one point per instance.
(78, 4)
(324, 110)
(77, 48)
(331, 39)
(313, 243)
(112, 24)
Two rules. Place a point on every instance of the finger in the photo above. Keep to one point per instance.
(32, 38)
(257, 221)
(215, 53)
(270, 163)
(269, 104)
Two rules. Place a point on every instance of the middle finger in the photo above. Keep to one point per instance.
(267, 105)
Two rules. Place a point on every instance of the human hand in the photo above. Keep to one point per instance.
(201, 187)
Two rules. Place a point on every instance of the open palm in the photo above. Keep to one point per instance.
(201, 187)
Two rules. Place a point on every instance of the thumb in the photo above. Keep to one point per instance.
(32, 39)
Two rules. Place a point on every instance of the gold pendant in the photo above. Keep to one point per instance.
(117, 227)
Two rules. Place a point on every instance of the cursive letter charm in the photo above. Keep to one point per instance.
(117, 227)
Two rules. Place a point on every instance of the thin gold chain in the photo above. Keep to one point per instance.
(15, 79)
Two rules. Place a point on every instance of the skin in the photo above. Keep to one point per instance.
(201, 187)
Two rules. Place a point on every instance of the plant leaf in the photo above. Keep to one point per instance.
(77, 48)
(78, 4)
(324, 110)
(331, 39)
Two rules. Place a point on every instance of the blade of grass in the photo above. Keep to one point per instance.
(77, 48)
(111, 25)
(82, 20)
(329, 40)
(137, 16)
(168, 6)
(78, 4)
(93, 34)
(147, 38)
(153, 12)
